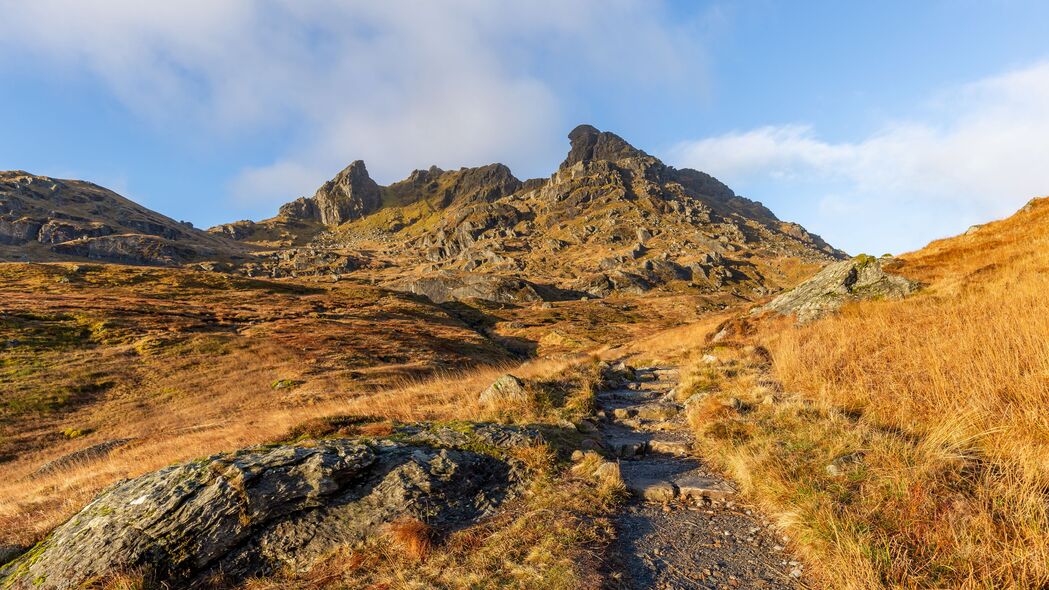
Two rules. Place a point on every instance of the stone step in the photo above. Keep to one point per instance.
(657, 411)
(624, 413)
(628, 395)
(697, 487)
(627, 448)
(692, 488)
(652, 490)
(657, 425)
(670, 447)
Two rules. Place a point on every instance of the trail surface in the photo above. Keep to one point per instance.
(684, 528)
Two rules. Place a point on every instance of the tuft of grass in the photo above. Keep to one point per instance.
(414, 537)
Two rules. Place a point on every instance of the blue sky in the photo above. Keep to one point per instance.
(879, 125)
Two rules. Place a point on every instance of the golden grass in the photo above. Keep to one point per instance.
(413, 536)
(937, 406)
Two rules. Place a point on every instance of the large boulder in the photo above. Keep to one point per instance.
(837, 284)
(252, 512)
(504, 390)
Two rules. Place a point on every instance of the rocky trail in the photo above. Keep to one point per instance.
(684, 527)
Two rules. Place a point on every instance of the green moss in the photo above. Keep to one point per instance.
(24, 562)
(286, 384)
(863, 260)
(75, 432)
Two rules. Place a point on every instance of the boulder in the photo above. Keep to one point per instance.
(837, 284)
(506, 389)
(253, 512)
(91, 453)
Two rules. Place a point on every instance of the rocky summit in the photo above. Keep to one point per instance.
(611, 219)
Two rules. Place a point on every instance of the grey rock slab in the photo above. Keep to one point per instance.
(251, 512)
(652, 490)
(696, 487)
(670, 447)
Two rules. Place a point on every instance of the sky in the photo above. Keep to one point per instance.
(878, 125)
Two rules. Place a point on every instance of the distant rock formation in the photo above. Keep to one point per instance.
(611, 219)
(352, 194)
(589, 144)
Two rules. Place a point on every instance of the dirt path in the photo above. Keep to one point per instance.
(684, 527)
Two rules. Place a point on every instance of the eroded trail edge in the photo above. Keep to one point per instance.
(684, 527)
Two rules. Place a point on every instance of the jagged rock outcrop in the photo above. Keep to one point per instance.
(237, 230)
(588, 144)
(352, 194)
(842, 282)
(131, 249)
(252, 512)
(304, 262)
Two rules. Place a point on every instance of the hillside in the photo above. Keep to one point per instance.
(904, 441)
(48, 219)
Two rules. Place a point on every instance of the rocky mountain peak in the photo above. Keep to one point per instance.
(350, 195)
(590, 144)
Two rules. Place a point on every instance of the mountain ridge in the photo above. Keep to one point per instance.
(610, 219)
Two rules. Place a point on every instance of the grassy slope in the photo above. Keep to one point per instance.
(184, 361)
(940, 397)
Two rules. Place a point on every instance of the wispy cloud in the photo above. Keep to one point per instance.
(979, 151)
(400, 83)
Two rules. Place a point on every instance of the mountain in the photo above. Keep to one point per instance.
(611, 219)
(43, 219)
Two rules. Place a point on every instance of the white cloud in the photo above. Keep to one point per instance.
(980, 151)
(399, 83)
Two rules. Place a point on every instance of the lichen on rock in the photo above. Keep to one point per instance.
(839, 283)
(254, 511)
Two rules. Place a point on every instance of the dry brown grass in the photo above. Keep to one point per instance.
(944, 397)
(413, 536)
(186, 428)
